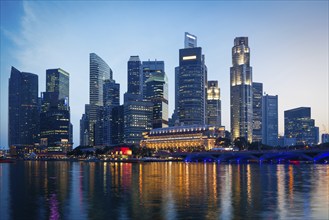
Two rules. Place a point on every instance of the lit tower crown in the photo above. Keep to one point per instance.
(241, 90)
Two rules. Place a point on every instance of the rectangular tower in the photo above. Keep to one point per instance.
(270, 120)
(191, 76)
(257, 103)
(213, 104)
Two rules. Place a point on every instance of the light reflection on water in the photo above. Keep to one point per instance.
(78, 190)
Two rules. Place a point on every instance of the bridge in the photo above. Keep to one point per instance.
(276, 156)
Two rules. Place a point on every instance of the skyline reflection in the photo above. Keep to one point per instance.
(168, 190)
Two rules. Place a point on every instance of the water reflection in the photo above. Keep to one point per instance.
(66, 190)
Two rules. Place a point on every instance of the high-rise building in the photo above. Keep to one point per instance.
(84, 126)
(148, 69)
(191, 86)
(241, 90)
(157, 92)
(270, 120)
(99, 72)
(23, 109)
(213, 104)
(55, 125)
(117, 125)
(298, 124)
(137, 119)
(134, 79)
(257, 93)
(104, 122)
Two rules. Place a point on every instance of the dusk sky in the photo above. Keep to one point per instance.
(288, 43)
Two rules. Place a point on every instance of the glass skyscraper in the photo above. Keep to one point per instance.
(149, 68)
(257, 103)
(134, 79)
(23, 109)
(191, 76)
(157, 92)
(213, 104)
(270, 120)
(241, 90)
(298, 124)
(55, 125)
(99, 72)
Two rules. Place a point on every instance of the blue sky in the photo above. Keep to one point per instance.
(288, 43)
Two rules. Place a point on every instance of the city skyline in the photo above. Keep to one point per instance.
(33, 43)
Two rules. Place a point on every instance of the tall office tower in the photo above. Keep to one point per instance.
(298, 124)
(241, 90)
(191, 86)
(137, 119)
(257, 99)
(213, 104)
(156, 91)
(99, 72)
(55, 126)
(117, 125)
(134, 79)
(190, 40)
(111, 99)
(270, 120)
(84, 126)
(23, 109)
(148, 69)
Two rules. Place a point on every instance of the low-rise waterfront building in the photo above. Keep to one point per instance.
(183, 138)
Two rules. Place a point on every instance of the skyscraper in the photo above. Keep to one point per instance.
(270, 120)
(99, 72)
(298, 124)
(241, 90)
(55, 126)
(23, 126)
(157, 92)
(134, 78)
(149, 68)
(257, 93)
(213, 104)
(191, 86)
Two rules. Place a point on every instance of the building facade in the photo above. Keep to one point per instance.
(148, 69)
(270, 120)
(257, 104)
(134, 78)
(298, 124)
(183, 138)
(137, 119)
(55, 122)
(157, 92)
(23, 109)
(191, 86)
(99, 71)
(213, 104)
(241, 90)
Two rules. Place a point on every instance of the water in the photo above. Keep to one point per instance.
(171, 190)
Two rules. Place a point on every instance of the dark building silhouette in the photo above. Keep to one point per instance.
(23, 126)
(134, 77)
(117, 125)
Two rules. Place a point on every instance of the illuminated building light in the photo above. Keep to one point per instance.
(189, 58)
